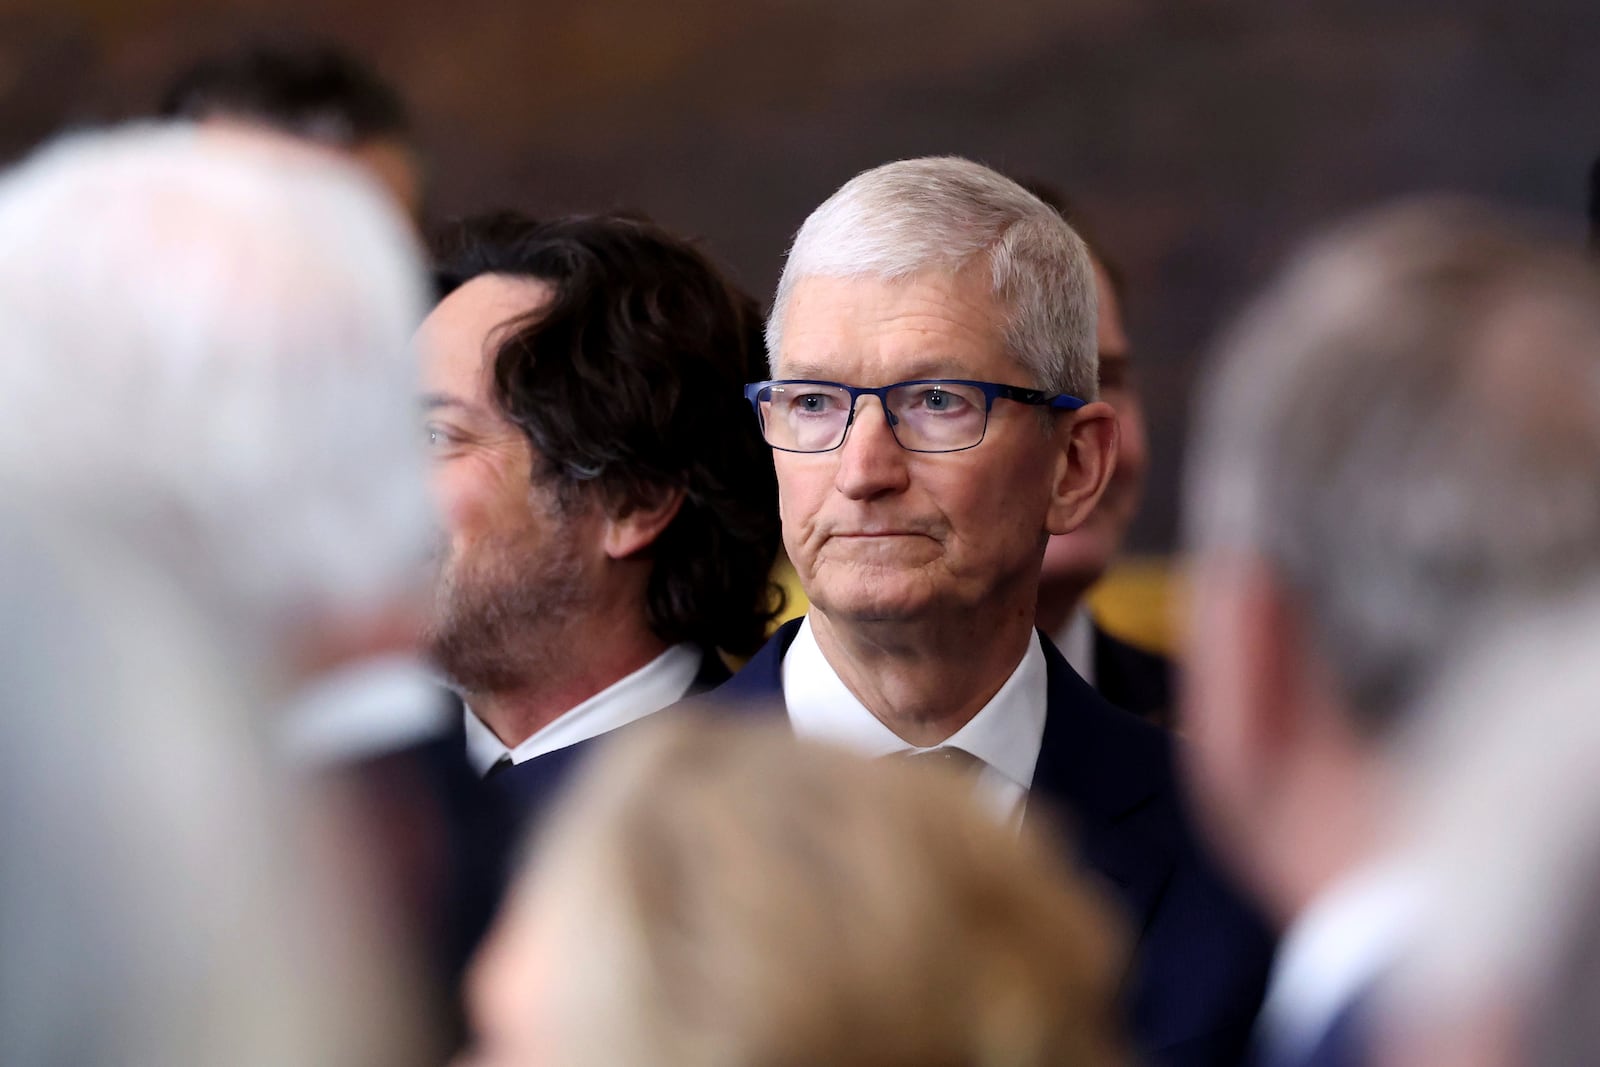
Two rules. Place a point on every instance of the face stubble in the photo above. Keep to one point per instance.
(502, 603)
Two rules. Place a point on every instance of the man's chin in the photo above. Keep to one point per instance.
(877, 602)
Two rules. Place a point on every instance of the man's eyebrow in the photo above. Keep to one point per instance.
(435, 401)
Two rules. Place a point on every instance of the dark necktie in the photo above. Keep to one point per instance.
(501, 764)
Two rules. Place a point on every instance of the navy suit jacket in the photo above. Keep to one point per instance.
(488, 821)
(1202, 956)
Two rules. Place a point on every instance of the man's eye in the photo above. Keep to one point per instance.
(940, 401)
(438, 436)
(813, 403)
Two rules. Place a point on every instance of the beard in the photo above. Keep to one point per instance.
(500, 609)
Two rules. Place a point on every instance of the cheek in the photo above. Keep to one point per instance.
(456, 493)
(477, 497)
(802, 487)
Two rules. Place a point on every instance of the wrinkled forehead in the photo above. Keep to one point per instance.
(871, 330)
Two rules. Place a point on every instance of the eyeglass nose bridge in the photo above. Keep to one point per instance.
(882, 393)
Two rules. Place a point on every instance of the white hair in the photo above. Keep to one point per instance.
(1406, 427)
(207, 336)
(940, 214)
(164, 902)
(1501, 827)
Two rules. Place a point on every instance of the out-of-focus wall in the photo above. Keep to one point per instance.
(1200, 136)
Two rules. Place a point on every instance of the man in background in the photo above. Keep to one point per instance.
(1594, 205)
(609, 505)
(1399, 439)
(1130, 677)
(316, 93)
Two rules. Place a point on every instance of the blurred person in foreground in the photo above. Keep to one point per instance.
(316, 93)
(206, 339)
(932, 423)
(1502, 823)
(720, 894)
(1132, 678)
(164, 902)
(609, 506)
(1400, 437)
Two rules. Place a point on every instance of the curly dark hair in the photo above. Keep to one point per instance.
(628, 384)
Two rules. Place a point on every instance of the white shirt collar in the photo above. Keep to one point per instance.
(1005, 733)
(1075, 641)
(1336, 949)
(364, 710)
(652, 687)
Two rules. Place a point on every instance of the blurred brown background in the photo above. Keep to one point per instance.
(1200, 137)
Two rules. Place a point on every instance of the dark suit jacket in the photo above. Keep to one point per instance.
(481, 825)
(1133, 679)
(1202, 955)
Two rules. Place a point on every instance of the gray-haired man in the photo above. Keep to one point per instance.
(933, 422)
(1402, 436)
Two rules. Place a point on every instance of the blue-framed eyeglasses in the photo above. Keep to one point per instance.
(927, 415)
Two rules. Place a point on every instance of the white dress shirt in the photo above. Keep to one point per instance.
(1075, 641)
(1005, 733)
(1335, 951)
(662, 681)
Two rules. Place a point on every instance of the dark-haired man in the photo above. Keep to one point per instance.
(315, 93)
(609, 505)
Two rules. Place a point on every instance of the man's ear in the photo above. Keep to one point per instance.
(636, 529)
(1087, 454)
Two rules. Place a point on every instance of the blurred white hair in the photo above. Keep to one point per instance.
(1406, 427)
(1502, 823)
(207, 343)
(941, 214)
(159, 903)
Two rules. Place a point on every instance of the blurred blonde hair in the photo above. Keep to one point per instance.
(723, 895)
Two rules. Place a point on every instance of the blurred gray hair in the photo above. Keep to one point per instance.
(1501, 826)
(1406, 427)
(164, 902)
(940, 214)
(207, 342)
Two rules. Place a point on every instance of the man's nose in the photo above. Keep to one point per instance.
(871, 461)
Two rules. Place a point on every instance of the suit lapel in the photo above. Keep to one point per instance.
(758, 686)
(1098, 768)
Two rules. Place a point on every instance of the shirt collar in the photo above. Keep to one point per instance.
(662, 681)
(1075, 641)
(1005, 733)
(1342, 943)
